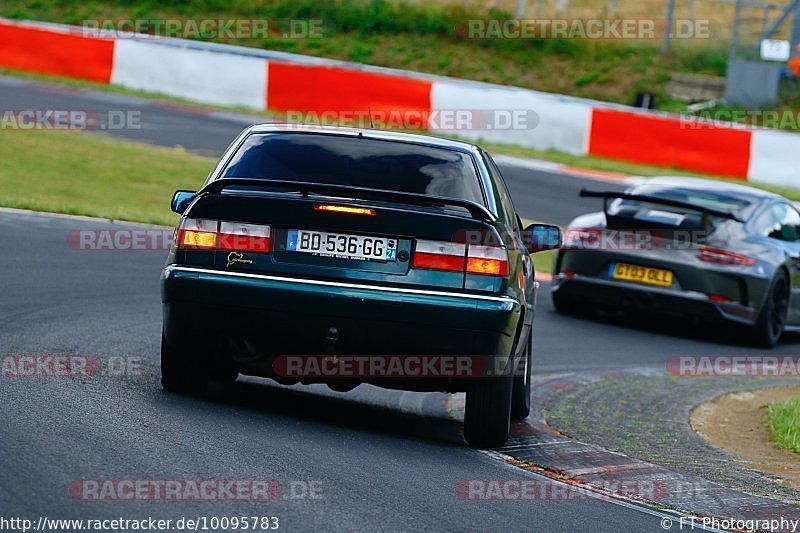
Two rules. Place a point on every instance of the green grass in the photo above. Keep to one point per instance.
(75, 173)
(543, 261)
(784, 419)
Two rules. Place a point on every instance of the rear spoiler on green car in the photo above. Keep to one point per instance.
(476, 211)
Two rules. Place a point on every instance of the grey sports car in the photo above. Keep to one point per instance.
(686, 246)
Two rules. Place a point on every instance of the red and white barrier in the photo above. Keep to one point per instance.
(204, 76)
(774, 158)
(60, 51)
(318, 89)
(257, 79)
(665, 140)
(561, 124)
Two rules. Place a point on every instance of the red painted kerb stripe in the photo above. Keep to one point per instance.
(319, 89)
(53, 52)
(665, 141)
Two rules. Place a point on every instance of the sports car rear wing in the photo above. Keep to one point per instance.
(611, 195)
(475, 210)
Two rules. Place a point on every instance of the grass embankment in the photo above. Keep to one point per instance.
(426, 37)
(75, 173)
(784, 420)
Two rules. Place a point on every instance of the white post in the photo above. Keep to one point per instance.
(521, 8)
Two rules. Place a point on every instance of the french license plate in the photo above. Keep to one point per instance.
(640, 274)
(341, 245)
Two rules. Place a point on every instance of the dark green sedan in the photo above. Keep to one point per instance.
(344, 256)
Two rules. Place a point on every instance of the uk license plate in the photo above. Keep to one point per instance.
(640, 274)
(342, 246)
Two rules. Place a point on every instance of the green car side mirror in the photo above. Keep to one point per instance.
(540, 237)
(181, 200)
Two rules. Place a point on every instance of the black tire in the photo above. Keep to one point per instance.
(487, 415)
(521, 390)
(224, 374)
(183, 372)
(222, 370)
(772, 318)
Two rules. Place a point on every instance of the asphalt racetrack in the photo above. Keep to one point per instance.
(371, 458)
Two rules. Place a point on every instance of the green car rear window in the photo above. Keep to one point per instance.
(360, 162)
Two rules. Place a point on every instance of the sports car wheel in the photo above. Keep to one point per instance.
(521, 392)
(488, 413)
(772, 319)
(182, 372)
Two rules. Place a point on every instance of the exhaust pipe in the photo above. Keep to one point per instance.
(331, 338)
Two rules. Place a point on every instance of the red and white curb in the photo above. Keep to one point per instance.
(535, 446)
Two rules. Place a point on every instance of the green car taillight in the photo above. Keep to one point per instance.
(200, 233)
(457, 257)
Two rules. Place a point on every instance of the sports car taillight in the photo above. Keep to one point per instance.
(212, 234)
(457, 257)
(724, 257)
(719, 298)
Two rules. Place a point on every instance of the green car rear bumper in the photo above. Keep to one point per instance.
(278, 315)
